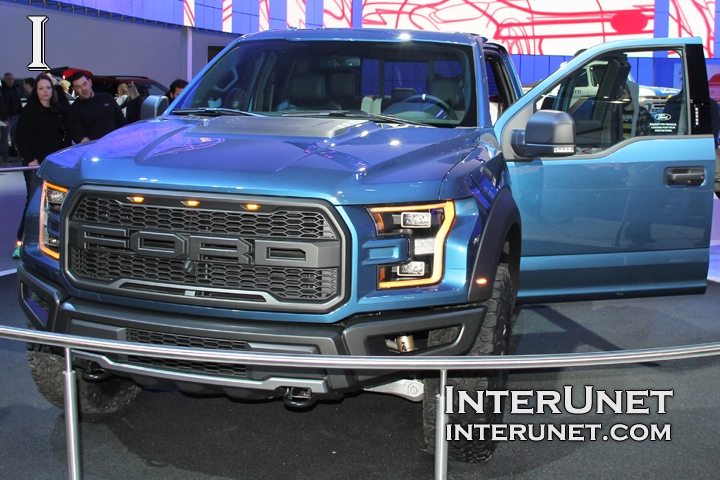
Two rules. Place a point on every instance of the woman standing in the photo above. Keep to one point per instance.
(122, 97)
(134, 104)
(40, 132)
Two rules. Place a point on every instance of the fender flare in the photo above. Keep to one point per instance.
(500, 243)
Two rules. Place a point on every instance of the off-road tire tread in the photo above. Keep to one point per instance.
(95, 399)
(494, 339)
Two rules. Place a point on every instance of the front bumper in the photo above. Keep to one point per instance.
(49, 307)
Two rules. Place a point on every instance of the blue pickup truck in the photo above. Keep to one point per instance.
(364, 192)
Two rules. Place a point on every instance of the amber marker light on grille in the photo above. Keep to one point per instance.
(136, 199)
(252, 206)
(191, 203)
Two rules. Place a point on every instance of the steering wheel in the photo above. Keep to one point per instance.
(424, 97)
(234, 99)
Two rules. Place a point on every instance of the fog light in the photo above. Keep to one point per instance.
(405, 343)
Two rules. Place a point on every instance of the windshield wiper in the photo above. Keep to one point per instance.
(214, 112)
(355, 113)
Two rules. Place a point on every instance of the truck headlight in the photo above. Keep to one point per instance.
(426, 227)
(51, 202)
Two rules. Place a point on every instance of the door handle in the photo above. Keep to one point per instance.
(685, 176)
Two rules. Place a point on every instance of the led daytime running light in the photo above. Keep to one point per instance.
(55, 195)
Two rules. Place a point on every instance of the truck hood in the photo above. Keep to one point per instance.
(343, 160)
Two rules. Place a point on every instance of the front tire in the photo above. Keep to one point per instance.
(95, 399)
(494, 339)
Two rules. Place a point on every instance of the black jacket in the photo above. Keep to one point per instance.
(94, 118)
(40, 132)
(13, 104)
(3, 110)
(134, 106)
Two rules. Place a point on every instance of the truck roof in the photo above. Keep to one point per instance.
(360, 34)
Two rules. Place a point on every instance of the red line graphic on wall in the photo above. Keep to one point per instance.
(264, 20)
(694, 18)
(189, 13)
(227, 16)
(525, 26)
(296, 13)
(337, 14)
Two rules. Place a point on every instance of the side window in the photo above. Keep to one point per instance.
(498, 91)
(493, 93)
(582, 80)
(143, 90)
(620, 96)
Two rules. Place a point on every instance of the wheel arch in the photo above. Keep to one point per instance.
(500, 243)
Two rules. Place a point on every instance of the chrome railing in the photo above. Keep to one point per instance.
(18, 169)
(442, 364)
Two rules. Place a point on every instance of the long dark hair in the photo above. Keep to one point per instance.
(54, 105)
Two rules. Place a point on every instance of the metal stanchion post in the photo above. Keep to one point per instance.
(71, 418)
(441, 459)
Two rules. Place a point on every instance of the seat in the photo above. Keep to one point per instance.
(446, 89)
(308, 92)
(397, 95)
(401, 93)
(341, 89)
(495, 105)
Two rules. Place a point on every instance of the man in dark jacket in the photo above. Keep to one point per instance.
(92, 115)
(177, 86)
(13, 105)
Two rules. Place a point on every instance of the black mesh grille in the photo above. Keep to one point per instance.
(286, 254)
(174, 340)
(203, 368)
(282, 282)
(283, 223)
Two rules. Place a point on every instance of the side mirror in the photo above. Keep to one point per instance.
(153, 106)
(549, 133)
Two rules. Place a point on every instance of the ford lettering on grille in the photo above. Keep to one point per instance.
(288, 257)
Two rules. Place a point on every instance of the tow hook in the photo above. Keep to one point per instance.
(296, 397)
(95, 373)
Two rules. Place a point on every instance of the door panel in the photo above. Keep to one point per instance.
(619, 202)
(630, 213)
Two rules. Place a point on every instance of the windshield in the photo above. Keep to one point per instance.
(422, 82)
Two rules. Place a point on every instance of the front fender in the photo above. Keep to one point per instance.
(500, 243)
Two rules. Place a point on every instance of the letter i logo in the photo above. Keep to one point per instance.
(38, 43)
